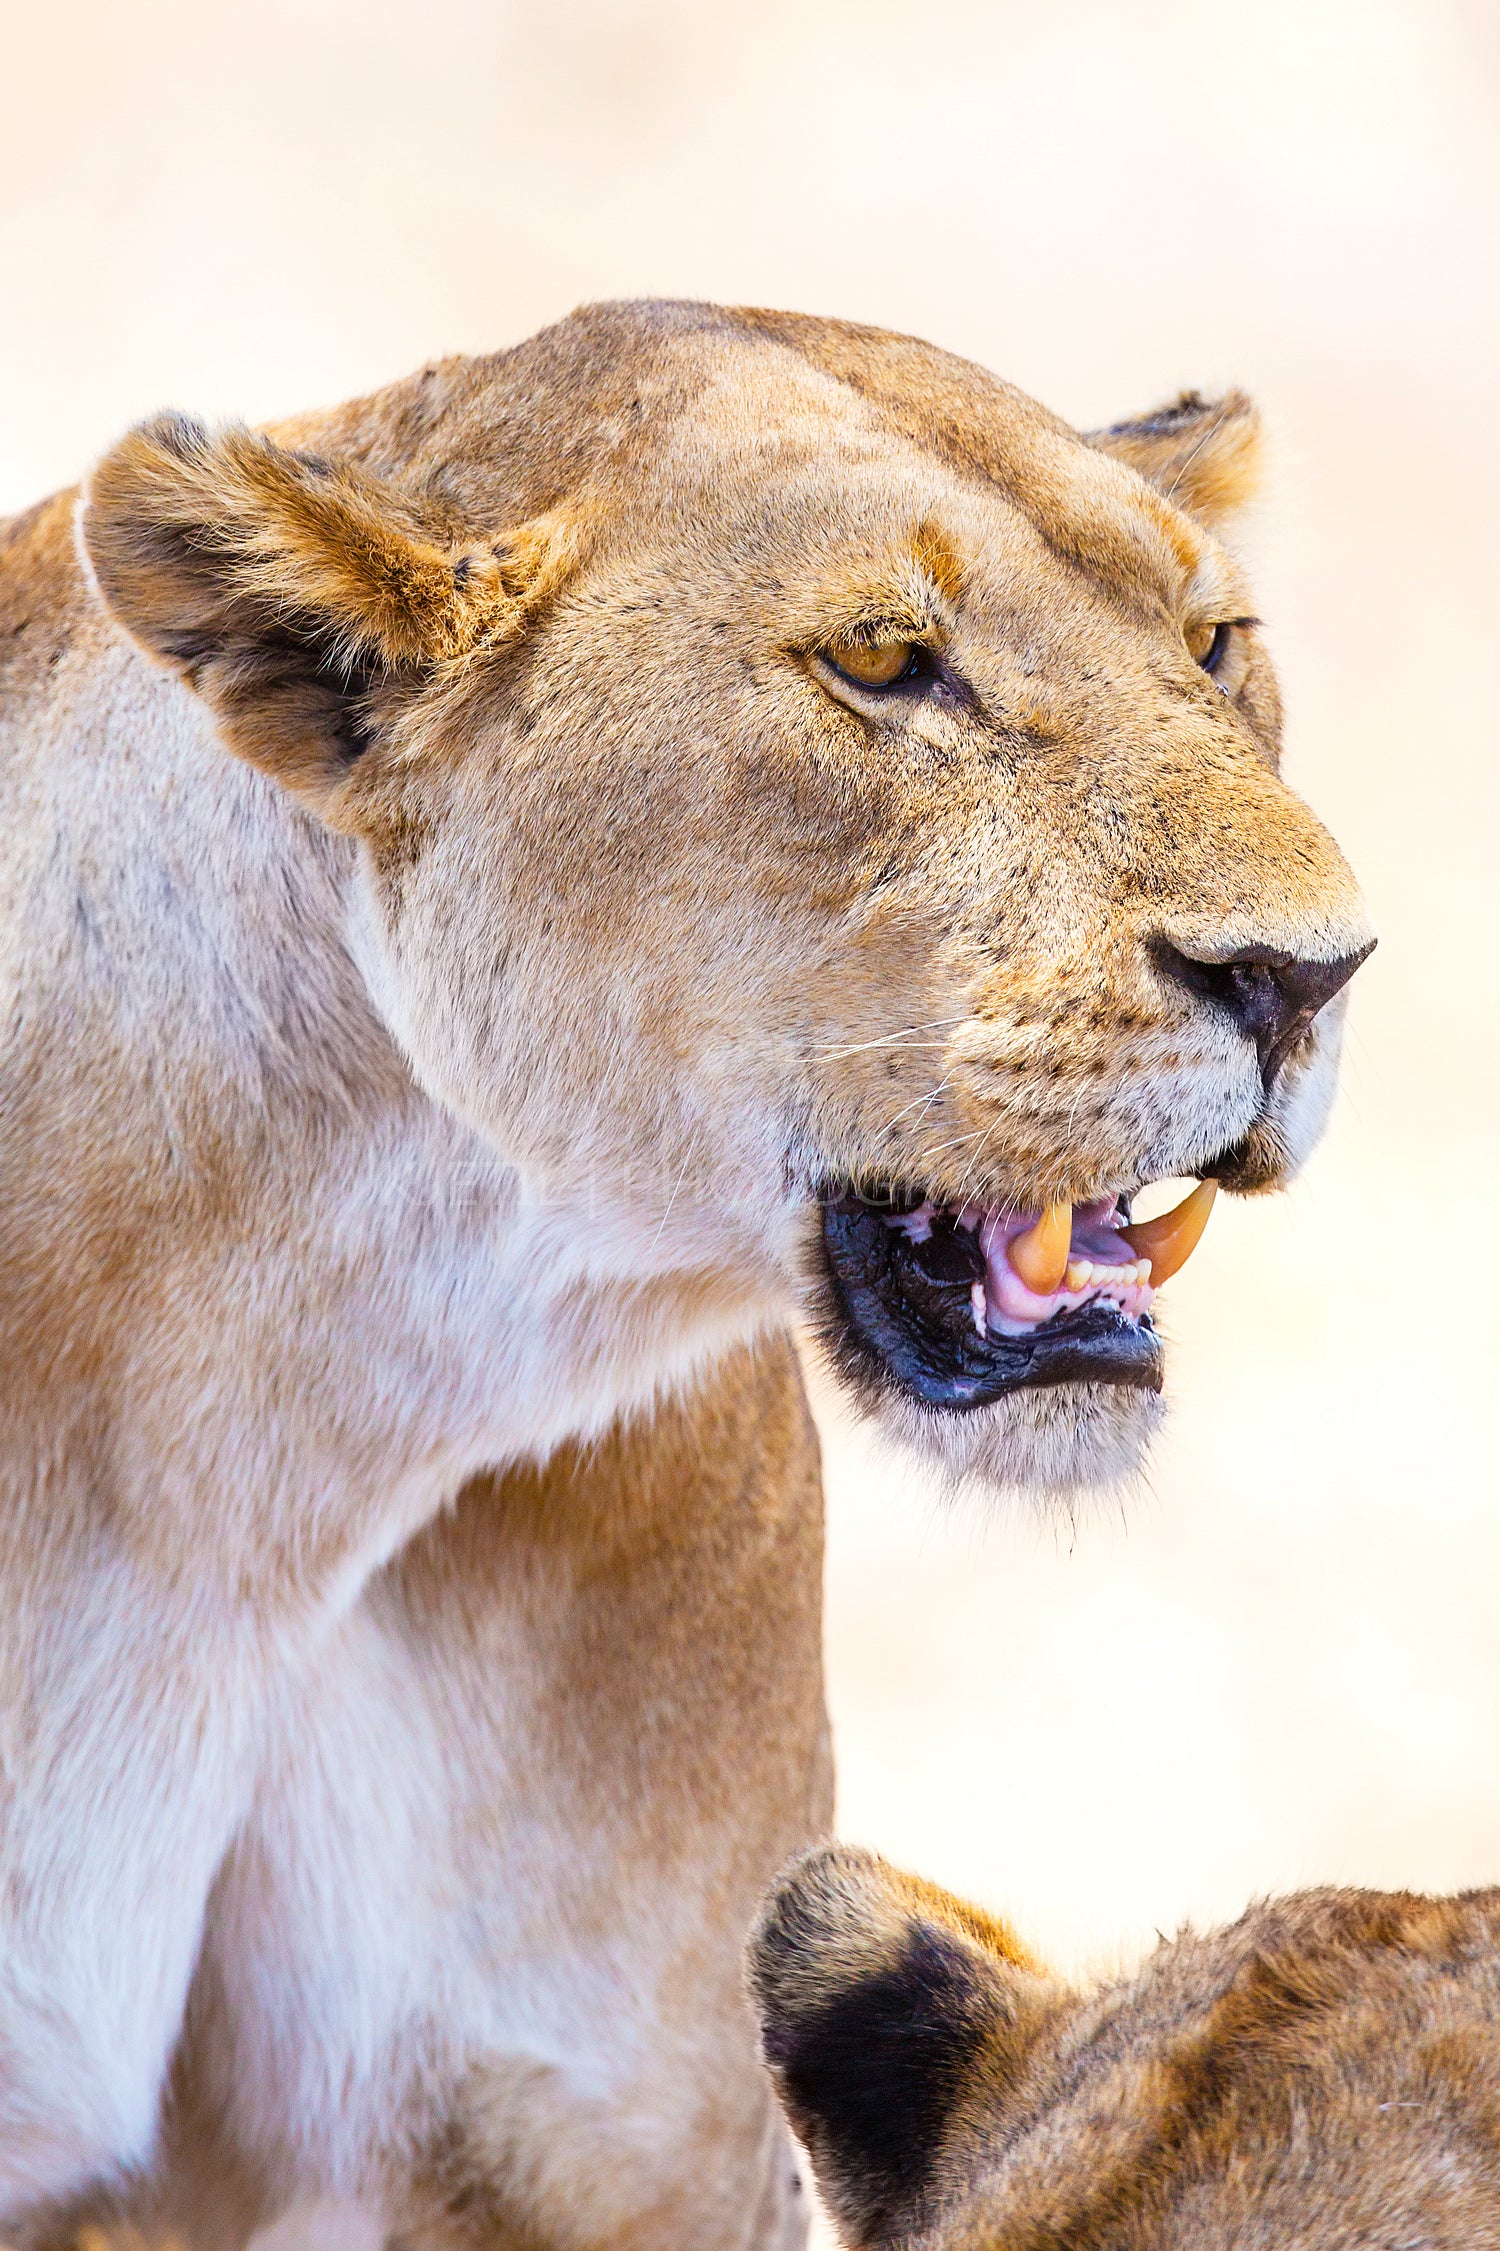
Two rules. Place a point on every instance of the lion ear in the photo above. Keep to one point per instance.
(302, 599)
(887, 2008)
(1203, 454)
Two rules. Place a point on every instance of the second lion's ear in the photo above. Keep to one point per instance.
(890, 2014)
(1205, 455)
(295, 594)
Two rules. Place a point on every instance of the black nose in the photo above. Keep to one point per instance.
(1272, 996)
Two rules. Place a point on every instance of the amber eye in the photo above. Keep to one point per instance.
(877, 664)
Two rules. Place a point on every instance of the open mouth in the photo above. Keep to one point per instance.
(959, 1304)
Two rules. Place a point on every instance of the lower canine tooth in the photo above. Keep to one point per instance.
(1169, 1242)
(1040, 1256)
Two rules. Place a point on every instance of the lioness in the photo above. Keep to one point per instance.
(517, 886)
(1322, 2076)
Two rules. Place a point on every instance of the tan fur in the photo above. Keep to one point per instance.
(1322, 2073)
(446, 1081)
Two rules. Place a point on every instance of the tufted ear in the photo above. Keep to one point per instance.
(301, 598)
(1204, 454)
(888, 2009)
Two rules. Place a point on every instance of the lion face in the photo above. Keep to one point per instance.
(1321, 2072)
(818, 818)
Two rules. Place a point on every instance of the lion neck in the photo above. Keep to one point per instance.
(267, 1303)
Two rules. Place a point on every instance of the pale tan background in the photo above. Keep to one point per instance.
(1280, 1663)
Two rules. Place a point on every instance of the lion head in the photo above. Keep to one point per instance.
(1321, 2072)
(813, 812)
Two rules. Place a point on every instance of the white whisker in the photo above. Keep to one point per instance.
(922, 1101)
(958, 1141)
(890, 1039)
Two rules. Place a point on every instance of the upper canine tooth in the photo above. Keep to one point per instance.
(1170, 1241)
(1040, 1256)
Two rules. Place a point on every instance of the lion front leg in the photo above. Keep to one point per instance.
(476, 1957)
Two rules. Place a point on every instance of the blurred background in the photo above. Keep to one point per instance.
(1279, 1662)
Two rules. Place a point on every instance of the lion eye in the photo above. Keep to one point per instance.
(879, 664)
(1209, 644)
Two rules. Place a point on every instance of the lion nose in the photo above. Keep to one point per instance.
(1272, 996)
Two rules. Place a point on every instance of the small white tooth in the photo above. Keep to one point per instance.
(1080, 1273)
(977, 1303)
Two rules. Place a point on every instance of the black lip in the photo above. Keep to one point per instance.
(901, 1314)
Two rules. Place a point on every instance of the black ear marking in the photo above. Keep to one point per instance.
(1187, 411)
(896, 2021)
(870, 2075)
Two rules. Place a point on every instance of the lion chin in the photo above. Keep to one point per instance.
(1054, 1446)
